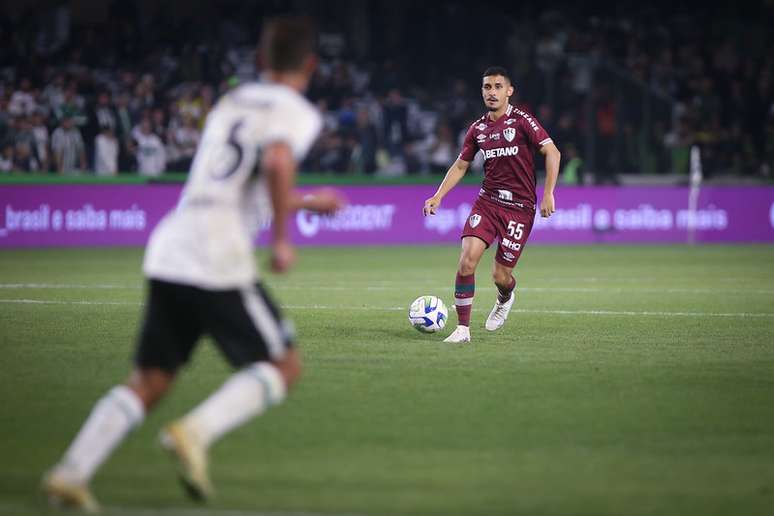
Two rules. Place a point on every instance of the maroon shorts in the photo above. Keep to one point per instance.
(511, 225)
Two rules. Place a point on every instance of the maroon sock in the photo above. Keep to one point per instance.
(464, 288)
(504, 293)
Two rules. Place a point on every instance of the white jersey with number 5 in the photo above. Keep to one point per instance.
(206, 241)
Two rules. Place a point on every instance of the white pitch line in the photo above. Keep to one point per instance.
(57, 286)
(176, 511)
(554, 312)
(182, 511)
(400, 308)
(589, 290)
(55, 302)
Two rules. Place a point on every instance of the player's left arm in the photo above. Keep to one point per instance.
(322, 200)
(553, 157)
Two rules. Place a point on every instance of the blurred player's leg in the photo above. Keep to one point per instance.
(465, 287)
(245, 395)
(111, 419)
(506, 284)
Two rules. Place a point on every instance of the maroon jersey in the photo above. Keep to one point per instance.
(509, 146)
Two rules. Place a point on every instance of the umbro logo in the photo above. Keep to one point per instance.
(481, 126)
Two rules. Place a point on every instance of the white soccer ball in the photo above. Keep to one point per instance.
(428, 314)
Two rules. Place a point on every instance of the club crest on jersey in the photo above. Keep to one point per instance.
(474, 220)
(509, 133)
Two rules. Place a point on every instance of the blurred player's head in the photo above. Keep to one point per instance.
(496, 88)
(287, 50)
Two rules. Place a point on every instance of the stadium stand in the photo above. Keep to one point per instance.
(626, 94)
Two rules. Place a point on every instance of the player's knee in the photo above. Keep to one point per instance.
(290, 367)
(150, 385)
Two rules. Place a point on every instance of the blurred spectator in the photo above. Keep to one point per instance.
(183, 144)
(41, 137)
(23, 135)
(102, 114)
(23, 159)
(190, 106)
(125, 124)
(72, 107)
(22, 101)
(572, 166)
(106, 149)
(366, 143)
(150, 153)
(67, 148)
(6, 158)
(6, 131)
(442, 150)
(159, 124)
(679, 140)
(54, 93)
(395, 122)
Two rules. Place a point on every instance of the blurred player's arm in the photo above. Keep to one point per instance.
(453, 176)
(553, 157)
(322, 200)
(279, 165)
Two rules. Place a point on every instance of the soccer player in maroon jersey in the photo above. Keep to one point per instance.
(505, 209)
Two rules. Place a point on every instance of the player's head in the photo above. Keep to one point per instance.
(287, 48)
(496, 87)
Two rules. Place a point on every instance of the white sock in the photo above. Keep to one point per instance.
(245, 395)
(113, 416)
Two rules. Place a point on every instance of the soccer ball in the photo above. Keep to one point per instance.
(428, 314)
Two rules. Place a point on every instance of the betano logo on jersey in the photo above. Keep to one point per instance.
(500, 152)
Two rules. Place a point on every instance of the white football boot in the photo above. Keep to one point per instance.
(499, 313)
(191, 458)
(64, 493)
(461, 334)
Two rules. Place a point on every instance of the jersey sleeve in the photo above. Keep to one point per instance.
(297, 125)
(469, 145)
(536, 134)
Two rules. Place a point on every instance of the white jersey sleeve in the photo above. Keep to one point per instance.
(298, 125)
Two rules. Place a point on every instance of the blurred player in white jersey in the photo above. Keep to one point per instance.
(202, 277)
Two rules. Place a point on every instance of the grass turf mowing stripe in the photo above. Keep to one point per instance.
(398, 308)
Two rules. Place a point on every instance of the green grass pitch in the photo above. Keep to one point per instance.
(627, 381)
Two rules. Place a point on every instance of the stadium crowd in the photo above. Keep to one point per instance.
(617, 95)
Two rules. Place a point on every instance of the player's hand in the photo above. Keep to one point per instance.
(431, 205)
(324, 200)
(547, 206)
(283, 256)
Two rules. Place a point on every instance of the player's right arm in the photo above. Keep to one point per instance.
(278, 163)
(453, 176)
(455, 172)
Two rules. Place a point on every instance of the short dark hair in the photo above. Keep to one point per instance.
(497, 70)
(286, 42)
